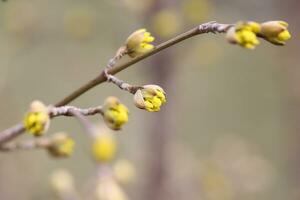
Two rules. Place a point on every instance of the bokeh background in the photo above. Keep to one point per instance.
(230, 129)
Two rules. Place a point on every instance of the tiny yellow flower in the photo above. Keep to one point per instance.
(61, 145)
(124, 171)
(275, 32)
(37, 119)
(115, 113)
(139, 42)
(62, 181)
(104, 147)
(244, 34)
(150, 98)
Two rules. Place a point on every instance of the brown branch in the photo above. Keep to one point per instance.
(210, 27)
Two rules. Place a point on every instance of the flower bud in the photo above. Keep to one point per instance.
(150, 98)
(275, 32)
(62, 181)
(37, 119)
(108, 189)
(138, 43)
(124, 171)
(115, 113)
(244, 34)
(61, 145)
(104, 147)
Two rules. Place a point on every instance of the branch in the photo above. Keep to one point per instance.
(40, 143)
(210, 27)
(16, 130)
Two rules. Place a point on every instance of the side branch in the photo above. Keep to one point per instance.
(18, 129)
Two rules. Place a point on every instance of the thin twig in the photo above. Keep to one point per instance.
(16, 130)
(90, 128)
(210, 27)
(40, 143)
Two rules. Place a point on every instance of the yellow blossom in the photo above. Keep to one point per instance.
(150, 98)
(115, 113)
(244, 34)
(37, 120)
(139, 42)
(104, 147)
(61, 145)
(275, 32)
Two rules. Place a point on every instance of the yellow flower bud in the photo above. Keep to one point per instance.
(124, 171)
(139, 42)
(104, 147)
(62, 181)
(61, 145)
(150, 98)
(275, 32)
(115, 113)
(108, 189)
(37, 119)
(244, 34)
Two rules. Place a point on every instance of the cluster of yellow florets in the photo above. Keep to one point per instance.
(246, 33)
(115, 113)
(104, 147)
(139, 42)
(150, 98)
(36, 120)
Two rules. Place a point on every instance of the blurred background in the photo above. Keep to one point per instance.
(230, 129)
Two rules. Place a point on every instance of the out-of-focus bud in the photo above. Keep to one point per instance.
(37, 120)
(61, 145)
(62, 181)
(197, 11)
(115, 113)
(244, 34)
(150, 98)
(104, 147)
(139, 42)
(124, 171)
(166, 23)
(108, 189)
(275, 32)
